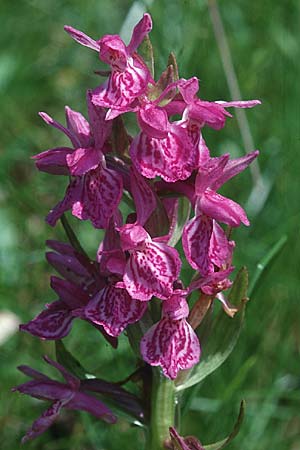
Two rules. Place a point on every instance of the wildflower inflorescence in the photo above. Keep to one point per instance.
(137, 263)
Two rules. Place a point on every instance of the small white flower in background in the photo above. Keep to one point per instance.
(9, 324)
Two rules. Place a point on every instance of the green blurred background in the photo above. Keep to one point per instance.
(42, 69)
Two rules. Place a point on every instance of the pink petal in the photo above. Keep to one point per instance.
(143, 195)
(79, 127)
(204, 154)
(210, 172)
(189, 89)
(100, 197)
(113, 51)
(173, 158)
(73, 192)
(140, 31)
(49, 121)
(53, 161)
(176, 307)
(222, 209)
(82, 38)
(239, 103)
(114, 309)
(208, 113)
(152, 271)
(122, 88)
(101, 128)
(133, 236)
(211, 281)
(220, 251)
(196, 243)
(171, 344)
(52, 323)
(84, 159)
(232, 168)
(153, 121)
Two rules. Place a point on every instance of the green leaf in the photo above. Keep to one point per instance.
(183, 214)
(224, 334)
(265, 262)
(222, 444)
(72, 236)
(65, 358)
(146, 52)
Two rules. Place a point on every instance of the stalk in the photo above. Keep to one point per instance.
(162, 411)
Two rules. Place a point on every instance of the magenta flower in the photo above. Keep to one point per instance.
(212, 114)
(152, 266)
(129, 76)
(74, 266)
(211, 176)
(94, 191)
(163, 148)
(55, 322)
(67, 395)
(172, 343)
(205, 244)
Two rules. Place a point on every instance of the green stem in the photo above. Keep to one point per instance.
(162, 411)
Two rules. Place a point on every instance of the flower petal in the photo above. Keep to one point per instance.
(100, 197)
(43, 422)
(79, 127)
(222, 209)
(172, 344)
(114, 309)
(53, 161)
(85, 402)
(196, 243)
(122, 88)
(72, 194)
(232, 168)
(173, 158)
(220, 250)
(140, 31)
(52, 323)
(143, 195)
(101, 128)
(82, 38)
(152, 271)
(83, 160)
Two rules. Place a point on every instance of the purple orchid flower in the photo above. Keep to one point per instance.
(212, 114)
(112, 307)
(172, 343)
(205, 244)
(211, 176)
(94, 191)
(163, 148)
(74, 266)
(129, 76)
(55, 322)
(69, 395)
(152, 266)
